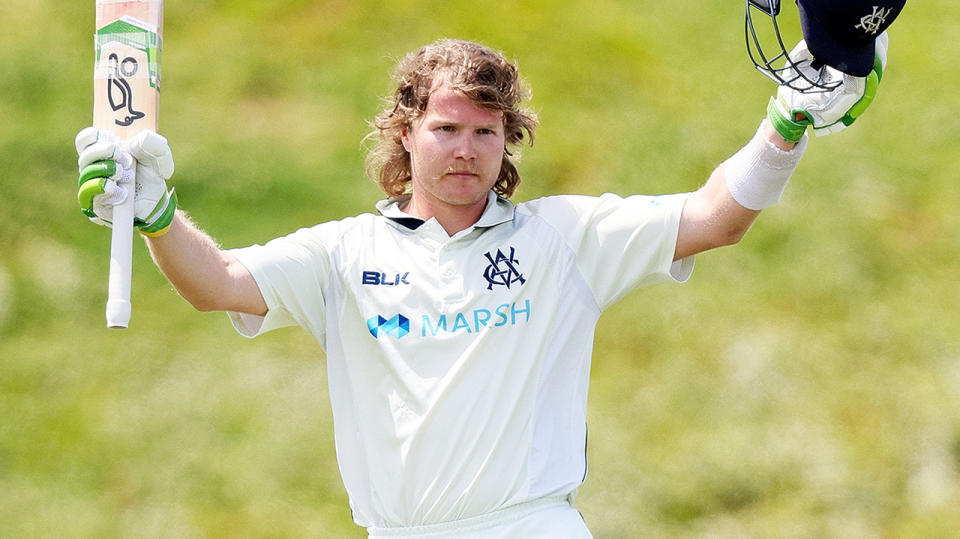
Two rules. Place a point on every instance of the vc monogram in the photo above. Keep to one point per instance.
(503, 270)
(872, 22)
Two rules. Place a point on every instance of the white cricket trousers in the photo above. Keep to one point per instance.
(546, 518)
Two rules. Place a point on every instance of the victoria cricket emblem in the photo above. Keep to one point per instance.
(503, 270)
(871, 23)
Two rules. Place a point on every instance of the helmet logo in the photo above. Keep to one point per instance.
(872, 23)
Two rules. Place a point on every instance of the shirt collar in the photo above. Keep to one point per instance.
(499, 210)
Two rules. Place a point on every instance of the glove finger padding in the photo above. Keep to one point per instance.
(104, 167)
(880, 51)
(815, 106)
(154, 206)
(827, 111)
(99, 151)
(871, 83)
(107, 176)
(103, 184)
(101, 206)
(90, 135)
(152, 151)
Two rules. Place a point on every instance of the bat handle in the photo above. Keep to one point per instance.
(121, 263)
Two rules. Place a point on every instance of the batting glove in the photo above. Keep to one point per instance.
(792, 110)
(107, 176)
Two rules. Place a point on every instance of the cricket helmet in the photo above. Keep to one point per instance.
(838, 33)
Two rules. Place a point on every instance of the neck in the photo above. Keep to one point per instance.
(453, 218)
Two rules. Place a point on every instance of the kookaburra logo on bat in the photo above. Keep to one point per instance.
(119, 93)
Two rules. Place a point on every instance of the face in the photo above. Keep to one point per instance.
(456, 149)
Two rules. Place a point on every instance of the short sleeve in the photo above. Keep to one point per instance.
(620, 243)
(291, 273)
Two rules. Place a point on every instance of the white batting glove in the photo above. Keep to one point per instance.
(792, 110)
(106, 174)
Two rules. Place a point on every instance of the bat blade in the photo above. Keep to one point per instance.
(126, 98)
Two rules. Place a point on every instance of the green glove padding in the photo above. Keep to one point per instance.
(108, 169)
(791, 111)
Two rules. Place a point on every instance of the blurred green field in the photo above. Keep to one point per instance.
(805, 383)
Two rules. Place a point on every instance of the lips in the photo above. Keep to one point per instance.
(461, 173)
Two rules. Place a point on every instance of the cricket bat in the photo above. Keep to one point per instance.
(126, 96)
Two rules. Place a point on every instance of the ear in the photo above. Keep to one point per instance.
(405, 138)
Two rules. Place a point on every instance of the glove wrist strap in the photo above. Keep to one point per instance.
(162, 217)
(788, 129)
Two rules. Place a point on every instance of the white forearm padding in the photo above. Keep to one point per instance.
(757, 174)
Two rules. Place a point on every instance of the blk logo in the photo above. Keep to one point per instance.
(398, 326)
(503, 270)
(377, 278)
(119, 93)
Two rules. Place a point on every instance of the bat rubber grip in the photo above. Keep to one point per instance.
(121, 264)
(118, 314)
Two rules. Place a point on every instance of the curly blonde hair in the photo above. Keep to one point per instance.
(478, 72)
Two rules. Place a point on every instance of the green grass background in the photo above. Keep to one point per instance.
(805, 383)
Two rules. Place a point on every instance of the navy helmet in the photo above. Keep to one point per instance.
(839, 33)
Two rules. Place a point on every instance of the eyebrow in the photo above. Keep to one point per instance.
(445, 120)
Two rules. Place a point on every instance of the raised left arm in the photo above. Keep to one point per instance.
(721, 212)
(712, 216)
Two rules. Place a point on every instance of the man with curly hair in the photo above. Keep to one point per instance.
(458, 326)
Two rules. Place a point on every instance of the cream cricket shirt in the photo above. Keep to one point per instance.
(458, 366)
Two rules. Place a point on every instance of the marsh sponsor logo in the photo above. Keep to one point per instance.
(398, 326)
(506, 314)
(503, 315)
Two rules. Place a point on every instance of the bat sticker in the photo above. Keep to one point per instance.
(117, 84)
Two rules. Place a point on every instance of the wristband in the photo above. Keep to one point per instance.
(757, 175)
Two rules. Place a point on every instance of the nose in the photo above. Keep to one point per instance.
(466, 148)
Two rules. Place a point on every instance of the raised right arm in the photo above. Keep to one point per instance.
(206, 276)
